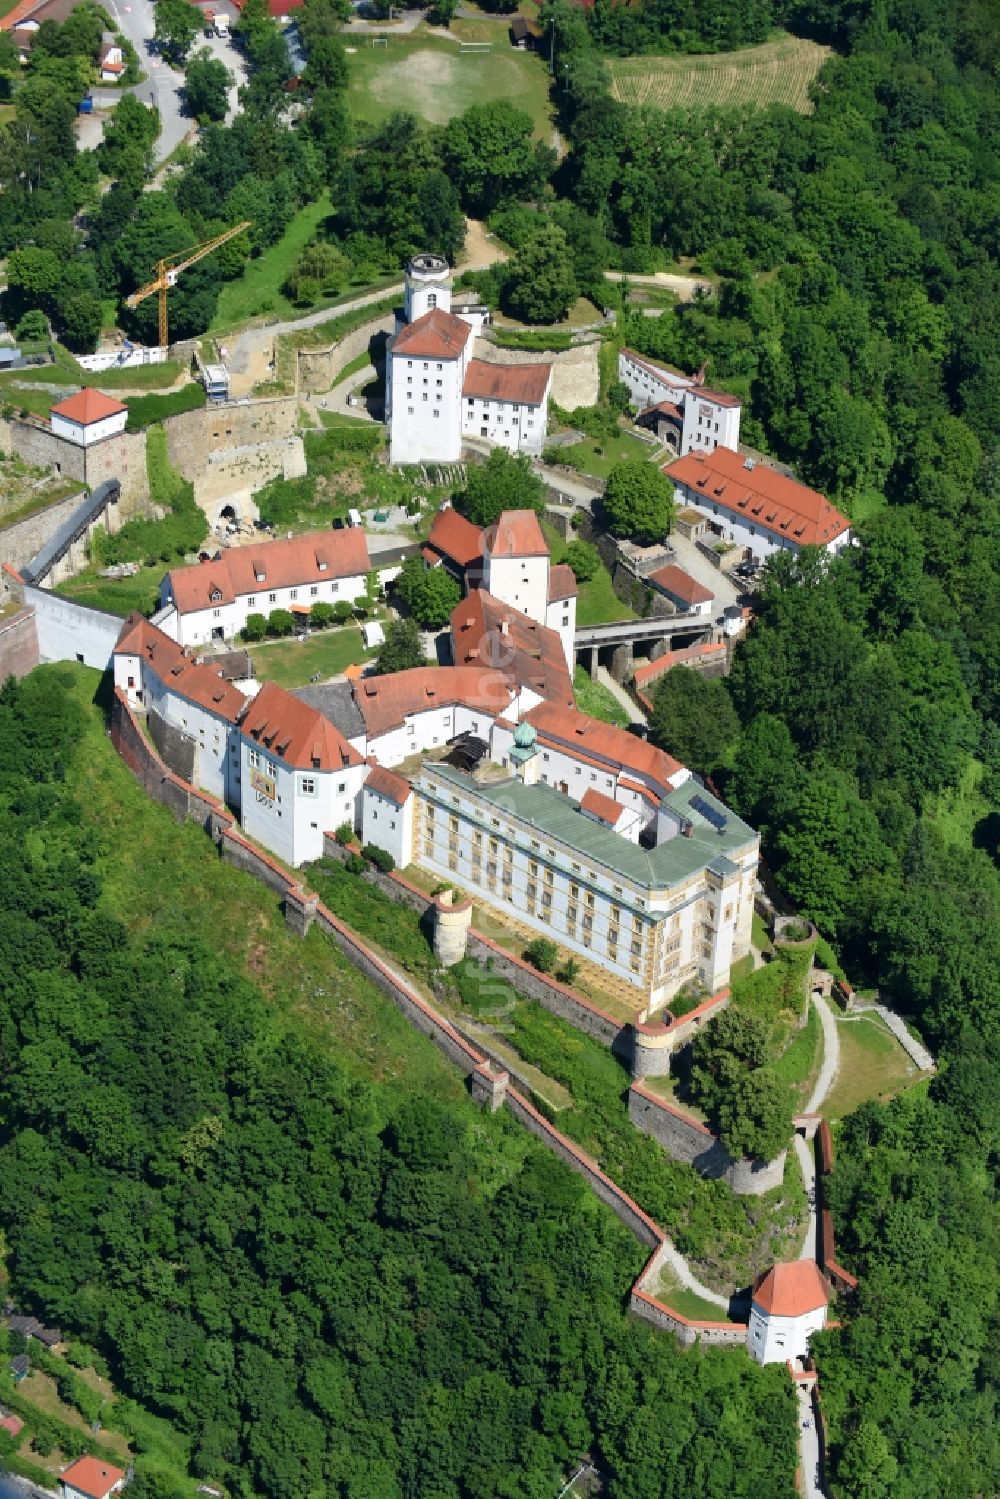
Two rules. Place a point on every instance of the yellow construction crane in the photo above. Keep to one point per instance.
(168, 269)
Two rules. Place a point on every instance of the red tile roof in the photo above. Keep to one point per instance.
(87, 406)
(667, 407)
(487, 631)
(320, 556)
(675, 376)
(295, 733)
(436, 335)
(523, 383)
(456, 538)
(562, 582)
(386, 702)
(575, 732)
(604, 808)
(761, 495)
(675, 580)
(200, 684)
(718, 397)
(91, 1476)
(386, 783)
(517, 534)
(650, 670)
(792, 1289)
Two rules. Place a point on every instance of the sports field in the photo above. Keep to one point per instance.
(431, 77)
(778, 72)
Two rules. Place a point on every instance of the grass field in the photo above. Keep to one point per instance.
(872, 1065)
(599, 456)
(117, 595)
(258, 290)
(428, 76)
(777, 72)
(596, 601)
(595, 699)
(292, 663)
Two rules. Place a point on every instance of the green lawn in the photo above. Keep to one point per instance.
(599, 456)
(800, 1061)
(594, 698)
(759, 934)
(428, 76)
(872, 1065)
(353, 367)
(258, 290)
(55, 489)
(668, 1289)
(597, 602)
(119, 595)
(292, 663)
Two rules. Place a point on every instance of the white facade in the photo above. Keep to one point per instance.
(522, 582)
(775, 1340)
(388, 823)
(560, 615)
(518, 426)
(423, 406)
(289, 809)
(430, 728)
(86, 434)
(426, 285)
(655, 935)
(708, 419)
(746, 530)
(223, 620)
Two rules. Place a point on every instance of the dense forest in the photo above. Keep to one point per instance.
(332, 1286)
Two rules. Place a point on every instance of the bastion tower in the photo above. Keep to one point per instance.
(428, 285)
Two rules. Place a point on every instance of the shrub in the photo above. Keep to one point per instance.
(584, 558)
(255, 627)
(280, 622)
(380, 857)
(354, 864)
(145, 411)
(321, 613)
(33, 325)
(542, 954)
(342, 611)
(570, 972)
(345, 834)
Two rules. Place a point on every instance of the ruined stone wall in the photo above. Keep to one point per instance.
(175, 748)
(122, 457)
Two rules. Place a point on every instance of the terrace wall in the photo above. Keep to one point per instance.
(685, 1138)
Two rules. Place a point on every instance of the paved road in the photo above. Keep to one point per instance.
(164, 84)
(808, 1446)
(831, 1056)
(807, 1160)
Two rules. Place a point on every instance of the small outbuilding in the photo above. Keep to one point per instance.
(88, 417)
(90, 1478)
(373, 635)
(519, 32)
(686, 594)
(789, 1304)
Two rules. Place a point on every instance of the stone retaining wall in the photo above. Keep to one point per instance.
(18, 645)
(654, 1042)
(685, 1138)
(20, 540)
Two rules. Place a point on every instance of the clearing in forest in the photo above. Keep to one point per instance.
(432, 78)
(777, 72)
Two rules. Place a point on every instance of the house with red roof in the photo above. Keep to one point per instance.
(687, 595)
(441, 387)
(210, 601)
(87, 418)
(747, 502)
(788, 1305)
(681, 409)
(387, 805)
(91, 1478)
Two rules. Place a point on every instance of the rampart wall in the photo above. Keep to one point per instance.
(18, 645)
(185, 801)
(23, 538)
(319, 368)
(194, 436)
(122, 457)
(685, 1138)
(70, 631)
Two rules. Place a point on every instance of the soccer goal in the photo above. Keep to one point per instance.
(475, 47)
(380, 41)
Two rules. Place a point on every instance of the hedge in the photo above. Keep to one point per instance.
(145, 411)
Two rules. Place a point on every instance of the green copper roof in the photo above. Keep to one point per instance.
(714, 837)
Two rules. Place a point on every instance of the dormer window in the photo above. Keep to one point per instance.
(216, 596)
(260, 577)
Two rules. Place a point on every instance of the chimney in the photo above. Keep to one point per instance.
(505, 627)
(688, 830)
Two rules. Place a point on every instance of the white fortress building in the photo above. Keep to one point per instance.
(88, 417)
(789, 1304)
(685, 412)
(210, 601)
(437, 391)
(482, 773)
(758, 508)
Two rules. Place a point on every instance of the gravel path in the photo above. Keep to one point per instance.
(687, 1277)
(618, 692)
(684, 286)
(831, 1056)
(807, 1160)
